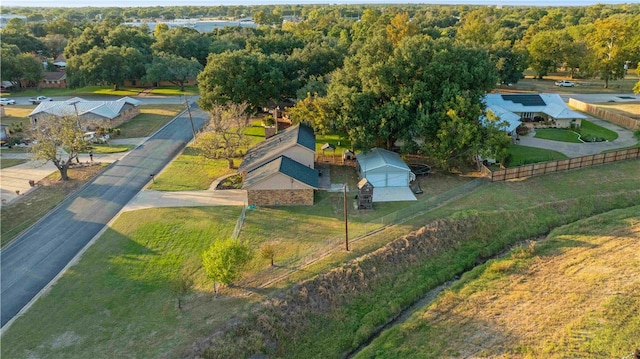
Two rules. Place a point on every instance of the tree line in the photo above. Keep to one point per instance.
(413, 75)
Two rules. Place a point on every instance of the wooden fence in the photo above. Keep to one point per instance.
(620, 120)
(541, 168)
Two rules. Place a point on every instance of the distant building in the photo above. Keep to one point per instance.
(202, 26)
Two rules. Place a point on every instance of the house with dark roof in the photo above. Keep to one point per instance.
(280, 170)
(297, 142)
(54, 79)
(548, 109)
(91, 114)
(281, 181)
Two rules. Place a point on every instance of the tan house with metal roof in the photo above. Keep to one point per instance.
(92, 114)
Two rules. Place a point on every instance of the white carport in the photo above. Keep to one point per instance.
(388, 174)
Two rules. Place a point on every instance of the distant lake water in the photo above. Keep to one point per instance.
(149, 3)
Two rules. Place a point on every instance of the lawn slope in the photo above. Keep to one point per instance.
(575, 294)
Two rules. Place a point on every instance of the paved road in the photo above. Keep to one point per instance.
(32, 260)
(144, 99)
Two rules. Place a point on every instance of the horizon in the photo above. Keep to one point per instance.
(173, 3)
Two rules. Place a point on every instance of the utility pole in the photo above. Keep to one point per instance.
(193, 129)
(346, 228)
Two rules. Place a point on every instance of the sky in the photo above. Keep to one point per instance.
(144, 3)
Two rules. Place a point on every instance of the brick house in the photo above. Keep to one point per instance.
(281, 181)
(280, 170)
(92, 114)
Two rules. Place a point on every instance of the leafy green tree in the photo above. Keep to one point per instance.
(546, 51)
(159, 29)
(17, 33)
(111, 66)
(414, 92)
(184, 42)
(224, 135)
(510, 61)
(606, 44)
(475, 28)
(172, 68)
(55, 44)
(225, 260)
(240, 76)
(400, 27)
(313, 110)
(59, 26)
(52, 135)
(261, 17)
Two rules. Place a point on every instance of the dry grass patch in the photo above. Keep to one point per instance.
(629, 109)
(576, 294)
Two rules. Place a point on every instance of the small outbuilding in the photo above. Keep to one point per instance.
(388, 174)
(365, 194)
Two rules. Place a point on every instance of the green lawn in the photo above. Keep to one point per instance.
(106, 148)
(523, 155)
(556, 134)
(190, 171)
(150, 119)
(10, 162)
(108, 91)
(117, 300)
(590, 130)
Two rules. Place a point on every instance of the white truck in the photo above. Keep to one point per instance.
(565, 83)
(37, 100)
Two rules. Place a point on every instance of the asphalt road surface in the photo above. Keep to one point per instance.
(33, 259)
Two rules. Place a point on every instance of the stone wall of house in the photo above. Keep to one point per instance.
(127, 114)
(303, 197)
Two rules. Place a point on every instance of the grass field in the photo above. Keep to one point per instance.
(573, 294)
(630, 109)
(190, 171)
(106, 148)
(201, 172)
(523, 155)
(150, 119)
(117, 300)
(10, 162)
(102, 91)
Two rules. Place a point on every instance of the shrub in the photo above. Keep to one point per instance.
(522, 130)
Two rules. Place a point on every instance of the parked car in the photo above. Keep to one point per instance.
(95, 138)
(7, 101)
(565, 83)
(37, 100)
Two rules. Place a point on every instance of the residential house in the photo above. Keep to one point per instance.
(548, 110)
(281, 181)
(54, 79)
(297, 143)
(91, 114)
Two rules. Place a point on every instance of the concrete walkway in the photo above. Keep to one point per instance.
(625, 139)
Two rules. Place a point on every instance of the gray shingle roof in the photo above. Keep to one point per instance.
(270, 148)
(286, 166)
